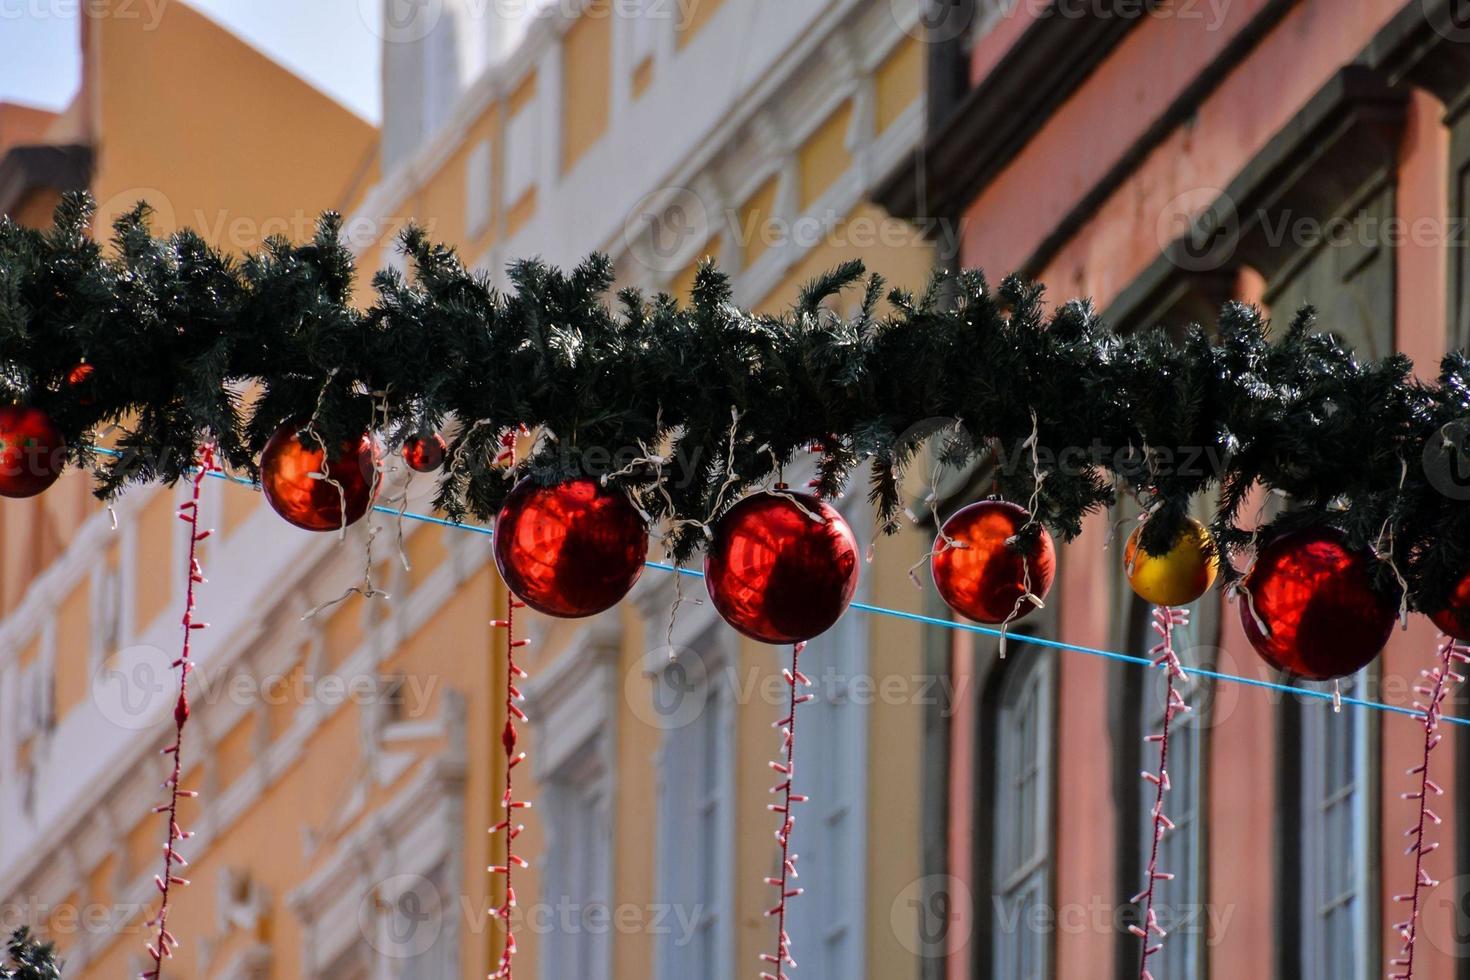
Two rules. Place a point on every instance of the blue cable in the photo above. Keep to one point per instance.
(1017, 638)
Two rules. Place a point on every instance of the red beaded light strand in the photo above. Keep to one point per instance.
(509, 739)
(1165, 621)
(164, 943)
(795, 679)
(1430, 700)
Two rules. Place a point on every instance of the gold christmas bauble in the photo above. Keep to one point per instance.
(1177, 578)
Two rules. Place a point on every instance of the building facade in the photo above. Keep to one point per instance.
(348, 754)
(1162, 159)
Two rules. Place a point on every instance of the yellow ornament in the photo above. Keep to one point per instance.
(1179, 577)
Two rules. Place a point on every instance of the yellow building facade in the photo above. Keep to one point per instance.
(348, 757)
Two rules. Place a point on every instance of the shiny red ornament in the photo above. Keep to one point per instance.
(782, 567)
(980, 575)
(32, 451)
(1454, 619)
(424, 454)
(572, 549)
(1309, 607)
(286, 468)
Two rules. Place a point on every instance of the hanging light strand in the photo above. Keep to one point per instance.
(164, 942)
(510, 739)
(1429, 699)
(1166, 619)
(777, 962)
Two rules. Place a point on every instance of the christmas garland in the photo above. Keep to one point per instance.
(27, 959)
(170, 344)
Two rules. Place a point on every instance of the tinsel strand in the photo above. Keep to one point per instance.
(784, 789)
(1430, 701)
(165, 942)
(509, 739)
(1165, 621)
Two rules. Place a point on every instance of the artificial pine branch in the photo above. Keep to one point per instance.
(688, 405)
(29, 960)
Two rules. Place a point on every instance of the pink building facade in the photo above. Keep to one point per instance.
(1162, 159)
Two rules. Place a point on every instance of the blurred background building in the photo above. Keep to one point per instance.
(972, 817)
(349, 763)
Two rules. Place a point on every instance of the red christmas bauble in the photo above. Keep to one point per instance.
(424, 454)
(572, 549)
(1314, 596)
(286, 468)
(1454, 619)
(984, 578)
(32, 451)
(782, 567)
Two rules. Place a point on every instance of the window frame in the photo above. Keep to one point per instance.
(673, 885)
(992, 808)
(578, 806)
(573, 704)
(842, 743)
(1313, 718)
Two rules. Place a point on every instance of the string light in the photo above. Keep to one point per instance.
(1431, 698)
(1166, 620)
(784, 788)
(163, 945)
(510, 739)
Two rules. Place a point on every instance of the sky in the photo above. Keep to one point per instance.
(330, 43)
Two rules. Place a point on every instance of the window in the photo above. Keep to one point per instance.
(441, 74)
(521, 158)
(107, 612)
(1333, 815)
(1348, 278)
(576, 882)
(572, 701)
(1021, 844)
(1179, 903)
(411, 940)
(477, 188)
(827, 923)
(696, 809)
